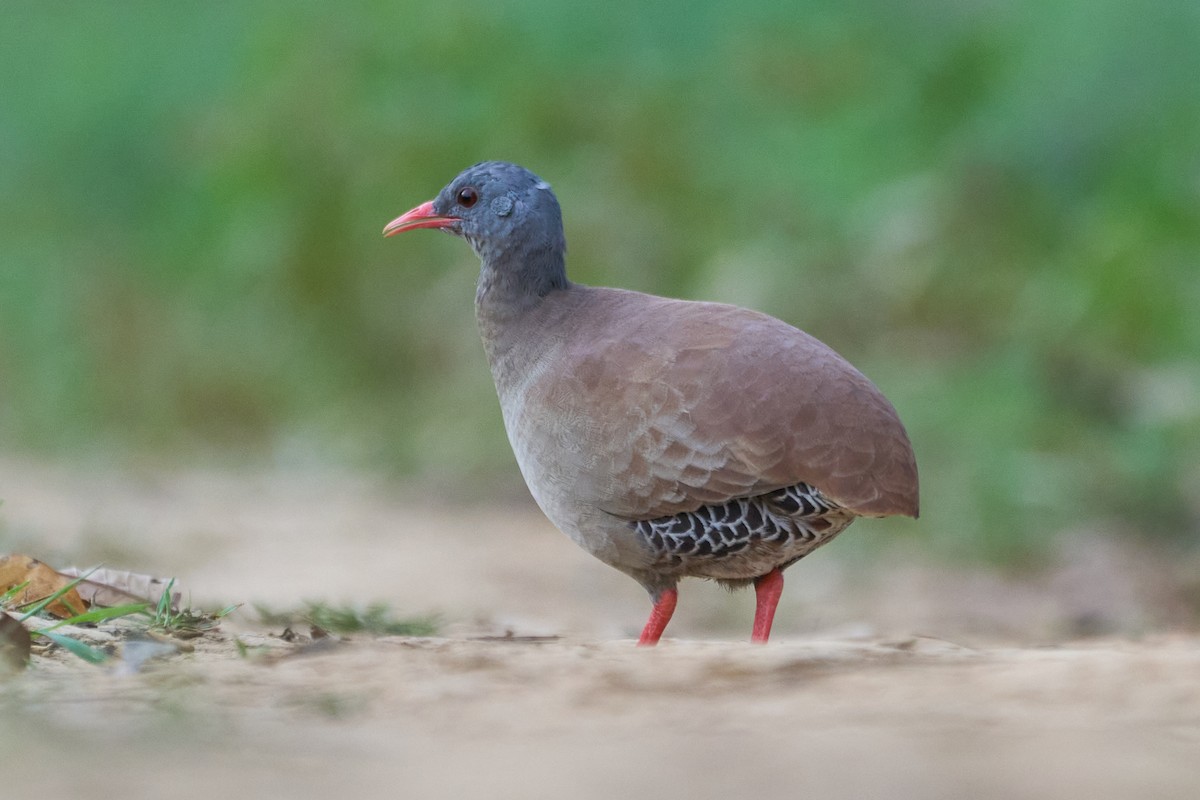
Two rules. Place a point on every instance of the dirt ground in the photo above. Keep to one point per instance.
(885, 678)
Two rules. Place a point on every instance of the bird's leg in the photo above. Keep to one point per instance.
(660, 615)
(767, 590)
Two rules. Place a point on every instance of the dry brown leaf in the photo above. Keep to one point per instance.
(116, 587)
(43, 582)
(14, 645)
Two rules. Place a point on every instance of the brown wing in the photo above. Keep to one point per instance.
(674, 405)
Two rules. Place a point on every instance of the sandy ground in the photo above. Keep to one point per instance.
(891, 680)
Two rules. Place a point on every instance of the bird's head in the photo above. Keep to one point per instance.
(507, 213)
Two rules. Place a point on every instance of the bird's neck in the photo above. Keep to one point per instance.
(512, 284)
(518, 314)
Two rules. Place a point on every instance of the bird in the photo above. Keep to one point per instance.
(668, 438)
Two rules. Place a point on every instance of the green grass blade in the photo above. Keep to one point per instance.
(8, 596)
(78, 648)
(162, 612)
(38, 606)
(101, 614)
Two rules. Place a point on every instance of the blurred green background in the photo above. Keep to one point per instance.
(992, 208)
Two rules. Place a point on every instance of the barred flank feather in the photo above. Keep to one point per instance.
(747, 536)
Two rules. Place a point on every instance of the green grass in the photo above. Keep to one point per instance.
(184, 623)
(95, 615)
(991, 208)
(374, 618)
(158, 617)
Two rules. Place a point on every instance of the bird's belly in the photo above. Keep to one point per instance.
(561, 476)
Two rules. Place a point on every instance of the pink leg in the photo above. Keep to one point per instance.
(660, 615)
(768, 588)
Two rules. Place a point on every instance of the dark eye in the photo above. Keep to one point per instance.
(467, 197)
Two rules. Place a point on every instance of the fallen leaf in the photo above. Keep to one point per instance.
(42, 582)
(14, 645)
(115, 587)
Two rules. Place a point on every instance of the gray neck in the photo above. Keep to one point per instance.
(511, 284)
(519, 327)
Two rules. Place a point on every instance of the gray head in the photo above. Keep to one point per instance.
(511, 219)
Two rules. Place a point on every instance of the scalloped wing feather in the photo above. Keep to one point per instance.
(668, 405)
